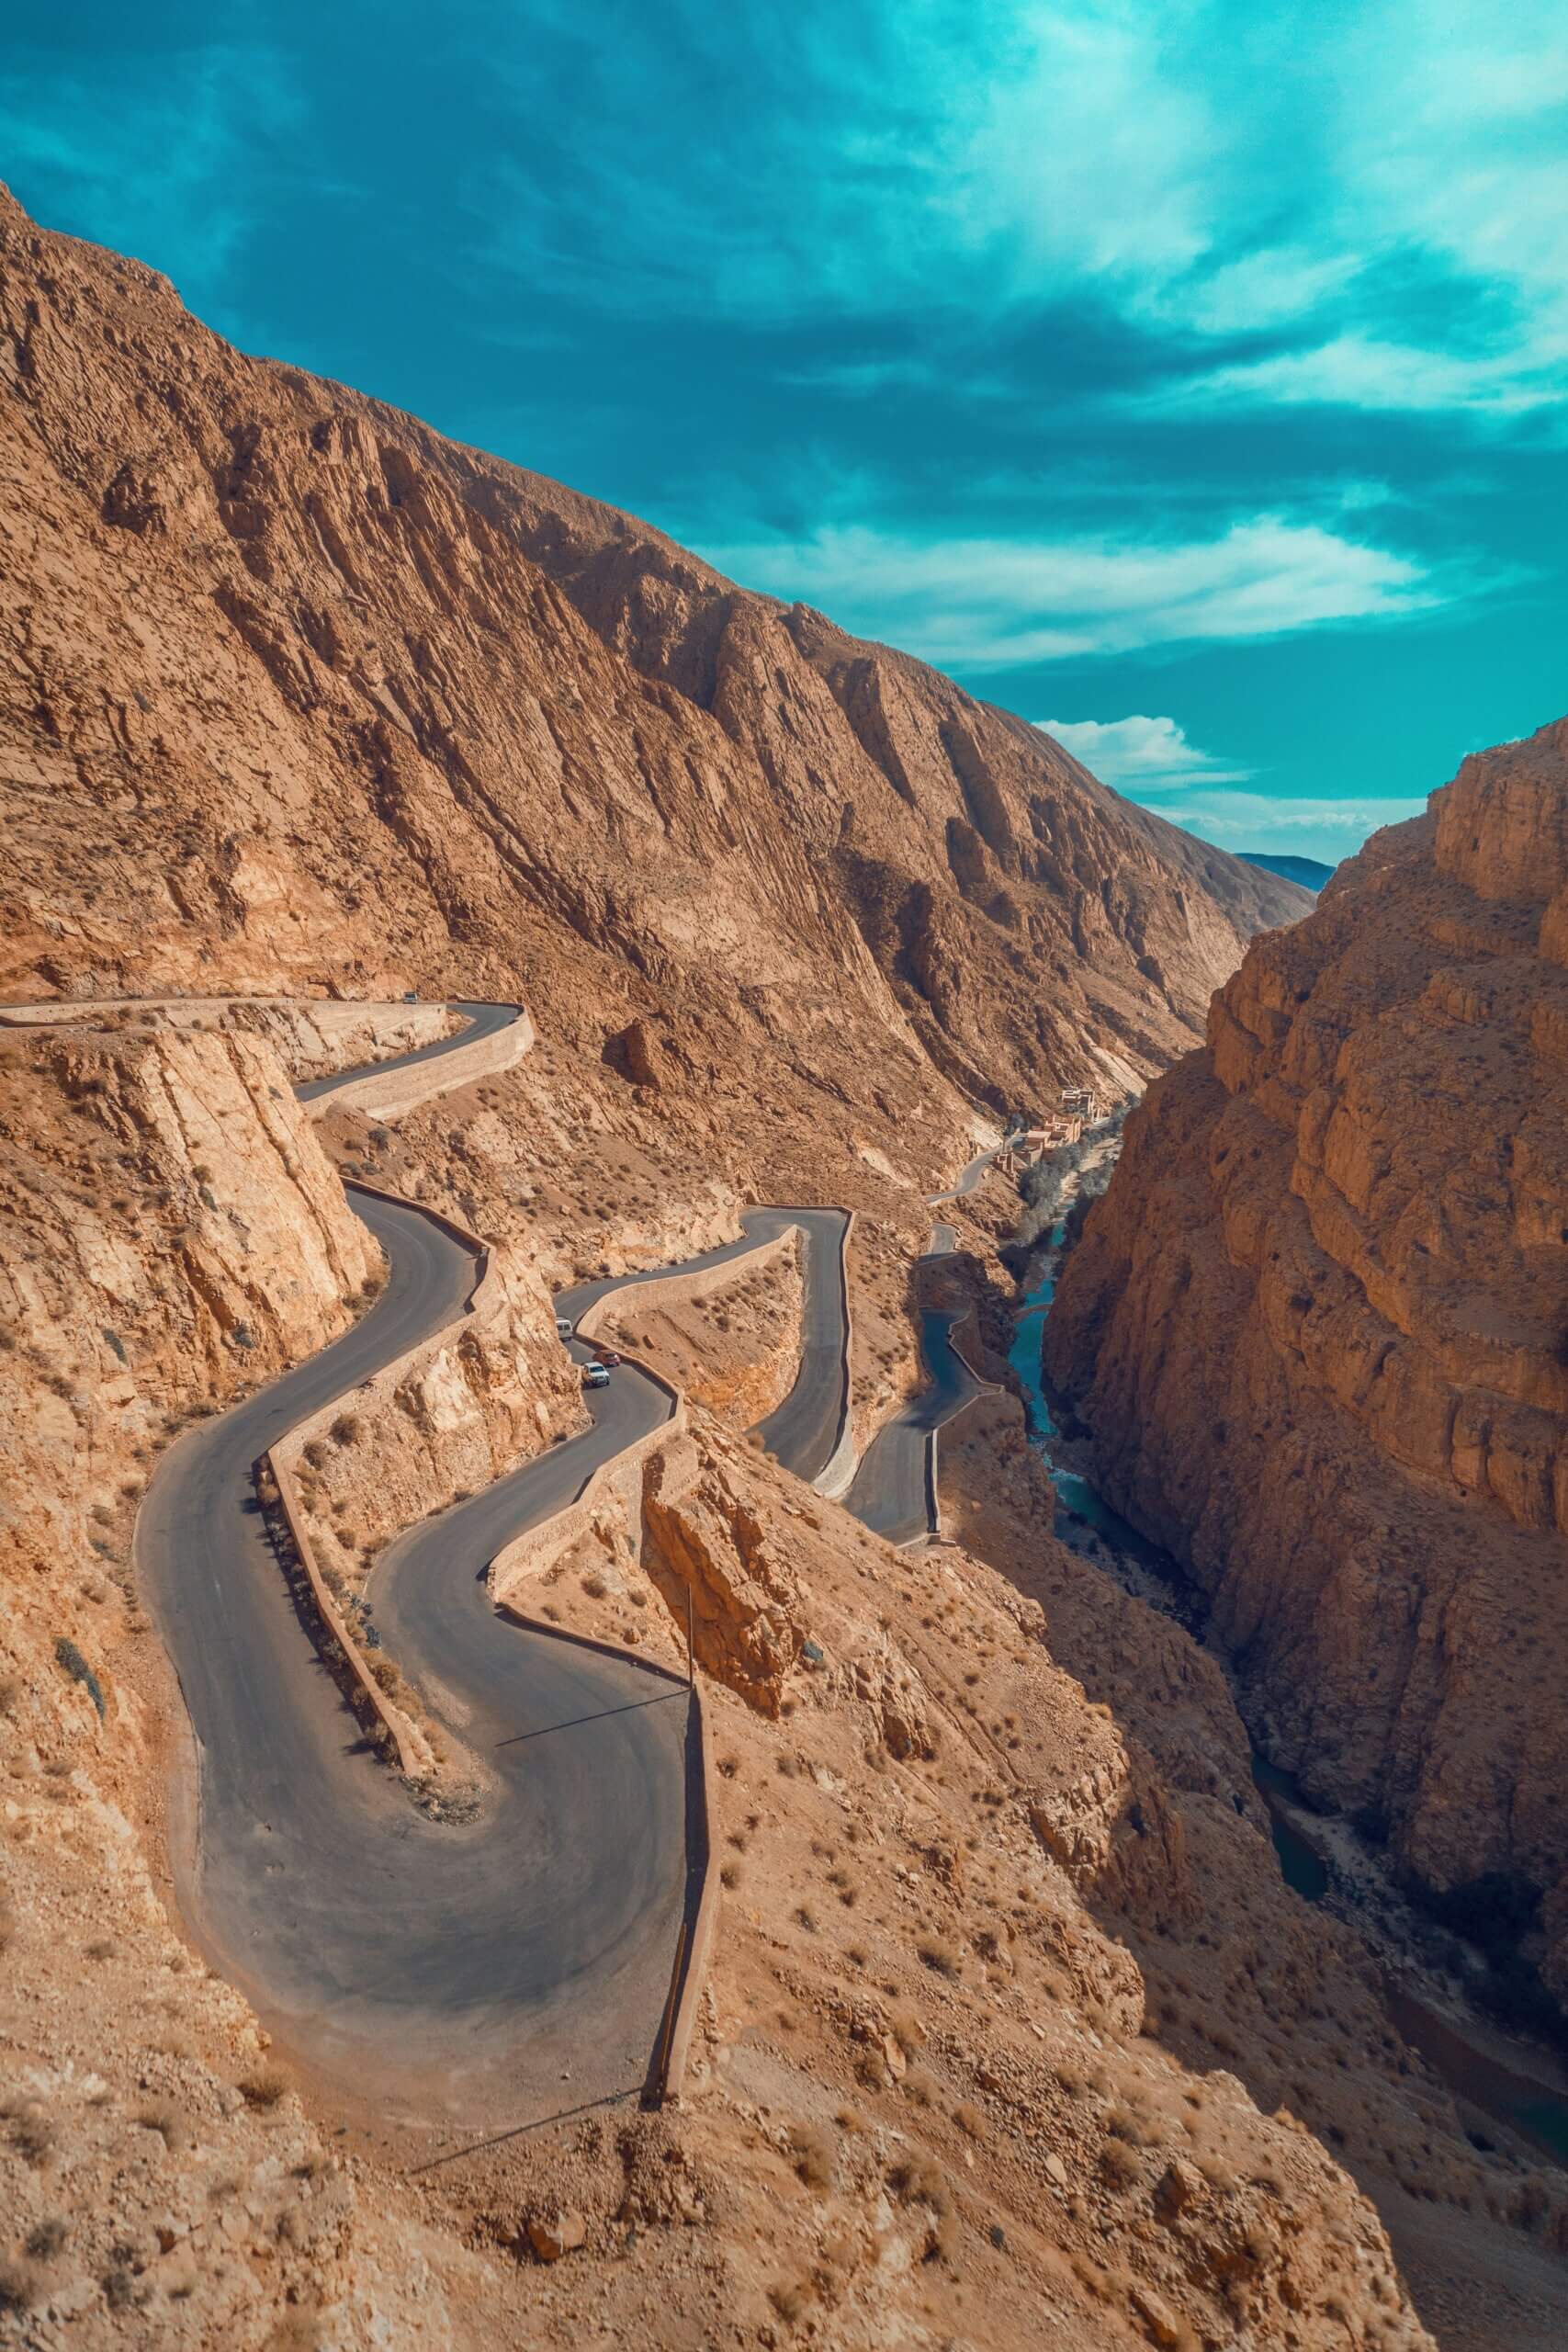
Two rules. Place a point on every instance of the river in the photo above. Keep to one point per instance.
(1514, 2082)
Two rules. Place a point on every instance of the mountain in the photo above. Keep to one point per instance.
(1308, 871)
(298, 695)
(1317, 1327)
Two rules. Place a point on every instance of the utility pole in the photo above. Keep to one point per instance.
(691, 1679)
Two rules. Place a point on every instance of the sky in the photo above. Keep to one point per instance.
(1187, 376)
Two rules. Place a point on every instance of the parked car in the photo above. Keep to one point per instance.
(608, 1357)
(594, 1375)
(563, 1328)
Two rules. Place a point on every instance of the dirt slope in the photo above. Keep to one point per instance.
(1318, 1327)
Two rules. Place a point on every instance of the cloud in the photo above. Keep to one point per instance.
(1197, 169)
(1357, 371)
(995, 603)
(1151, 761)
(1130, 753)
(1330, 828)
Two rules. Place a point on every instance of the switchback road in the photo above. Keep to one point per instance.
(517, 1963)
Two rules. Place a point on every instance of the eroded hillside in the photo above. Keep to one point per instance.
(1316, 1327)
(296, 695)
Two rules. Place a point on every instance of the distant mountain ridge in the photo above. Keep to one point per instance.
(1309, 871)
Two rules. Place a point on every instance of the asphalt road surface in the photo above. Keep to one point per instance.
(487, 1972)
(803, 1431)
(967, 1181)
(479, 1021)
(893, 1491)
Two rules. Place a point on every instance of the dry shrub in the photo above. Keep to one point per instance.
(18, 2288)
(904, 2025)
(791, 2298)
(32, 2131)
(938, 1953)
(263, 2088)
(1129, 2124)
(917, 2180)
(813, 2153)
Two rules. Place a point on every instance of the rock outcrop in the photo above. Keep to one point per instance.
(173, 1234)
(1317, 1326)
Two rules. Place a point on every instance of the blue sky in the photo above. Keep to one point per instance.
(1188, 375)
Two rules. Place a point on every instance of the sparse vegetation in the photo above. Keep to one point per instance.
(813, 2153)
(939, 1954)
(263, 2088)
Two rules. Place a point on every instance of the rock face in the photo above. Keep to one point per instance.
(297, 695)
(172, 1233)
(1317, 1328)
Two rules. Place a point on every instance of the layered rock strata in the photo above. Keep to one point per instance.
(299, 696)
(1317, 1326)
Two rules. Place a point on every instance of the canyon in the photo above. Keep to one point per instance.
(1009, 2031)
(1316, 1328)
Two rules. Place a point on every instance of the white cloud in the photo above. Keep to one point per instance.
(1330, 828)
(1152, 762)
(1199, 166)
(1357, 371)
(1266, 288)
(992, 603)
(1130, 753)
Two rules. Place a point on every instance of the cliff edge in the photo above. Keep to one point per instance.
(1317, 1329)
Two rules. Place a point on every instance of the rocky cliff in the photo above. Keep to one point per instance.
(1317, 1329)
(299, 696)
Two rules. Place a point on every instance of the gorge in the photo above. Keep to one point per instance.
(325, 737)
(1316, 1326)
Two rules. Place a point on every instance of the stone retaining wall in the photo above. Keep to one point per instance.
(680, 1290)
(391, 1094)
(414, 1753)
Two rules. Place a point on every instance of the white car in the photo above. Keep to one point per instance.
(563, 1328)
(594, 1375)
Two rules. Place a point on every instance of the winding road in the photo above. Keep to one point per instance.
(479, 1021)
(493, 1971)
(894, 1490)
(519, 1962)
